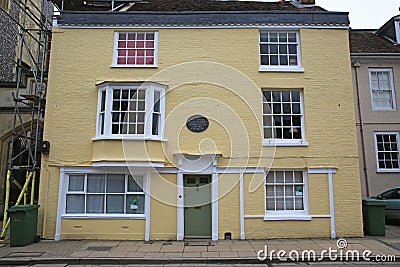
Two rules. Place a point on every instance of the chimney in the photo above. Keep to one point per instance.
(303, 3)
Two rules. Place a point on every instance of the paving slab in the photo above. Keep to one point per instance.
(138, 253)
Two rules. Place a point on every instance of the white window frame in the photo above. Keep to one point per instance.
(115, 52)
(370, 70)
(279, 68)
(397, 29)
(288, 214)
(150, 88)
(378, 169)
(86, 171)
(285, 142)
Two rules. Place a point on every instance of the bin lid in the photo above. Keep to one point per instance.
(22, 208)
(373, 202)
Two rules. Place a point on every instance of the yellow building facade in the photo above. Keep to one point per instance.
(167, 132)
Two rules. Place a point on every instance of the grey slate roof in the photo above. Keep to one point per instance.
(216, 18)
(184, 13)
(365, 42)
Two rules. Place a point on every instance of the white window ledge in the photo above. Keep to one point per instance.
(280, 69)
(281, 217)
(104, 216)
(387, 170)
(272, 142)
(134, 66)
(141, 138)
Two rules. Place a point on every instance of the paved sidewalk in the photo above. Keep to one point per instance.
(85, 252)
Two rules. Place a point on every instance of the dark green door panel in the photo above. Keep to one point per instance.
(197, 201)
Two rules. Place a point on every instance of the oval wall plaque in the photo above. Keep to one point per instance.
(197, 123)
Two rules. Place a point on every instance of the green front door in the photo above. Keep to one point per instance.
(197, 201)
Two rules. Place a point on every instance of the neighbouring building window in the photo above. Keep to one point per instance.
(283, 116)
(5, 4)
(135, 49)
(279, 49)
(285, 191)
(387, 151)
(131, 110)
(382, 89)
(104, 194)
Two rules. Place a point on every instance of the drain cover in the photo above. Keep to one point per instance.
(100, 248)
(24, 254)
(199, 243)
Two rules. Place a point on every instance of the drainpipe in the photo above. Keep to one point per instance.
(356, 66)
(241, 201)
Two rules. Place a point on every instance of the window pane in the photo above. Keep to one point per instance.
(115, 183)
(75, 204)
(95, 183)
(299, 203)
(264, 37)
(279, 177)
(156, 101)
(115, 204)
(270, 177)
(154, 129)
(76, 183)
(135, 184)
(95, 204)
(135, 204)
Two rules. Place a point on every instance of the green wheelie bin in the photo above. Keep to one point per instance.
(374, 216)
(23, 224)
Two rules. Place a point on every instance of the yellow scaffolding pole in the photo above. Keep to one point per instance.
(33, 187)
(25, 200)
(6, 219)
(7, 200)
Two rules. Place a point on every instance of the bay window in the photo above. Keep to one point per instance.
(130, 110)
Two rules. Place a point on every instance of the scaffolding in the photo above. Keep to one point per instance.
(34, 23)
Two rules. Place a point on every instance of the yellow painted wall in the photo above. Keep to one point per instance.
(117, 229)
(82, 57)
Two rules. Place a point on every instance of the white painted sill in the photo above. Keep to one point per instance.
(133, 66)
(129, 138)
(280, 69)
(105, 216)
(388, 170)
(295, 217)
(272, 142)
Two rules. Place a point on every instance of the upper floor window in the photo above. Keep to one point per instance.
(283, 122)
(387, 151)
(279, 51)
(382, 89)
(135, 49)
(131, 110)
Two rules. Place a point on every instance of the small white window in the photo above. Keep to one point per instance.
(382, 89)
(99, 194)
(135, 49)
(283, 122)
(131, 110)
(279, 51)
(387, 151)
(285, 193)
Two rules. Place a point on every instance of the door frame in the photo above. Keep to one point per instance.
(185, 165)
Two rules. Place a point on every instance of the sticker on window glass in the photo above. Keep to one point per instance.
(134, 203)
(299, 190)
